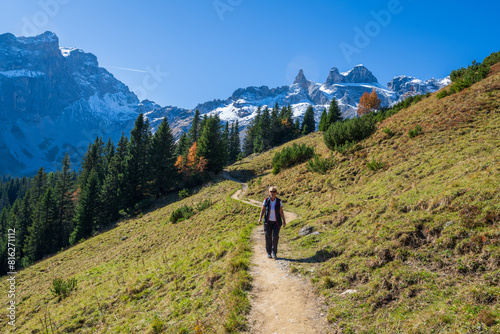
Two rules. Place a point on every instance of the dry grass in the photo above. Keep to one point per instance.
(419, 238)
(162, 277)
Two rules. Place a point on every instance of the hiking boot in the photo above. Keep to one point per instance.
(269, 256)
(274, 256)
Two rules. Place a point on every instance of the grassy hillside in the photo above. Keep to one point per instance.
(418, 238)
(147, 275)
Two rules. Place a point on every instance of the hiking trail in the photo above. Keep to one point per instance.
(281, 303)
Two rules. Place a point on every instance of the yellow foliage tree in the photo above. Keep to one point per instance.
(368, 102)
(190, 164)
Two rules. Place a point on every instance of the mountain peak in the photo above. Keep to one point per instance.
(358, 74)
(46, 37)
(300, 77)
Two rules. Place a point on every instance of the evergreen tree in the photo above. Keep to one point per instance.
(120, 165)
(275, 127)
(296, 128)
(235, 149)
(334, 114)
(264, 131)
(4, 200)
(87, 210)
(183, 145)
(308, 123)
(39, 185)
(251, 134)
(323, 122)
(202, 125)
(93, 160)
(64, 196)
(195, 128)
(40, 240)
(137, 168)
(4, 225)
(225, 139)
(163, 159)
(109, 151)
(23, 222)
(109, 197)
(287, 126)
(211, 145)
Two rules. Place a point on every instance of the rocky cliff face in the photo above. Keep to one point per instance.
(54, 101)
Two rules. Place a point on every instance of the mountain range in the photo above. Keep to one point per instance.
(55, 100)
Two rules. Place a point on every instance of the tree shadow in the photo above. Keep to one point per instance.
(320, 256)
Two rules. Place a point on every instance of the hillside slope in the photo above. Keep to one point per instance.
(418, 239)
(147, 275)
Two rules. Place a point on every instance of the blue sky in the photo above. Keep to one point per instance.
(189, 52)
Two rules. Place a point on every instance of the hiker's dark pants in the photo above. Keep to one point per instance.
(272, 233)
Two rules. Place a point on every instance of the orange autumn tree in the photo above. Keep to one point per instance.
(191, 164)
(368, 102)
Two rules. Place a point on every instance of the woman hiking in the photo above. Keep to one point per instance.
(274, 218)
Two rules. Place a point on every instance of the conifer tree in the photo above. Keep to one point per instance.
(275, 127)
(225, 139)
(308, 123)
(211, 145)
(296, 128)
(39, 185)
(137, 168)
(334, 113)
(109, 197)
(23, 222)
(93, 160)
(264, 131)
(251, 134)
(109, 152)
(163, 159)
(323, 122)
(4, 225)
(64, 196)
(183, 145)
(195, 128)
(87, 210)
(40, 240)
(235, 142)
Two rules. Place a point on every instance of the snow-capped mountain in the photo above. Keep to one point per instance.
(403, 85)
(55, 100)
(347, 88)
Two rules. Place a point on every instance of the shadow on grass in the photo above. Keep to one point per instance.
(321, 256)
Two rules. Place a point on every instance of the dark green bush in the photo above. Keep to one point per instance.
(344, 134)
(184, 193)
(320, 165)
(291, 156)
(182, 213)
(443, 93)
(466, 77)
(387, 112)
(417, 130)
(374, 164)
(388, 132)
(61, 288)
(203, 205)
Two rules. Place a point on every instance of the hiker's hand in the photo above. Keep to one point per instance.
(284, 224)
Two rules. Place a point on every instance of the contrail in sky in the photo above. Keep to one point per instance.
(127, 69)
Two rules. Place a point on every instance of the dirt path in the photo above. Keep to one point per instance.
(282, 303)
